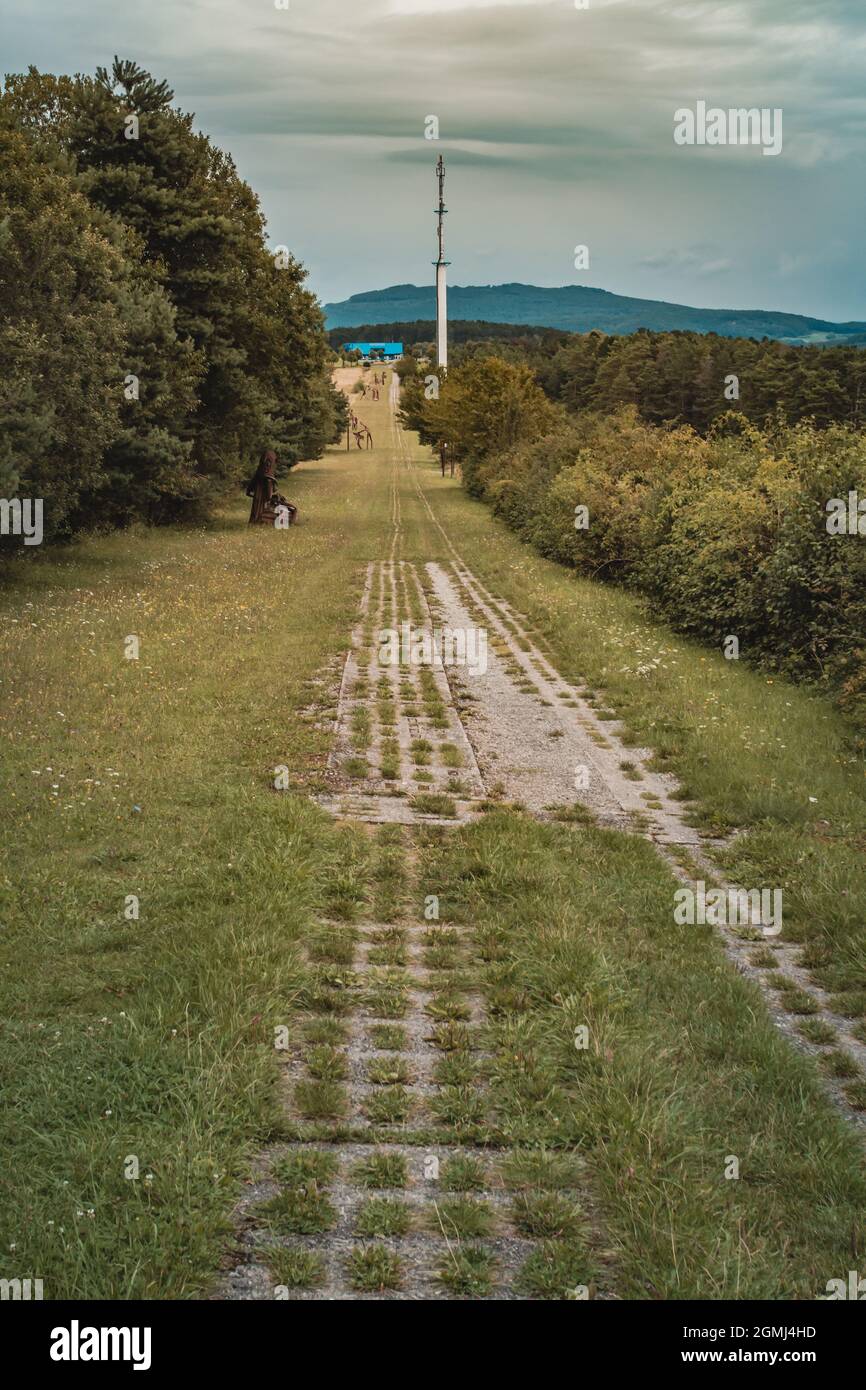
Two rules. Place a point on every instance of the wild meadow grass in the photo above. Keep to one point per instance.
(137, 1060)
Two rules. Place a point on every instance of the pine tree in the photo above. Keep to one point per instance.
(61, 335)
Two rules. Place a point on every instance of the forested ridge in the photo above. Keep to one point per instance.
(582, 308)
(150, 342)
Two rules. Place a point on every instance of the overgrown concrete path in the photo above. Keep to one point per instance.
(410, 1191)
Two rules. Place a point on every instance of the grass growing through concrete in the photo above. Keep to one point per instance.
(683, 1070)
(374, 1269)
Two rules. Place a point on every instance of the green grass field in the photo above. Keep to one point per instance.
(145, 1044)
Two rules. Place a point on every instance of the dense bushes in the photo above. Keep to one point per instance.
(726, 535)
(150, 343)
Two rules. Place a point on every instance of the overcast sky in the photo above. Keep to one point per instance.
(556, 124)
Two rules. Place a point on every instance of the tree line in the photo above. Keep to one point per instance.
(696, 378)
(670, 378)
(418, 336)
(151, 345)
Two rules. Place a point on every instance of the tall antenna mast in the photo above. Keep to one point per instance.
(441, 263)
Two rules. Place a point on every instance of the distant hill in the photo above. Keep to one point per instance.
(578, 309)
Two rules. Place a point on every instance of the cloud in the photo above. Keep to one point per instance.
(696, 260)
(438, 7)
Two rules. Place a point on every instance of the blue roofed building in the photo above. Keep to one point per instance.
(376, 352)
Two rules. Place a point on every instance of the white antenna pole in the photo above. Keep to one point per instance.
(441, 284)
